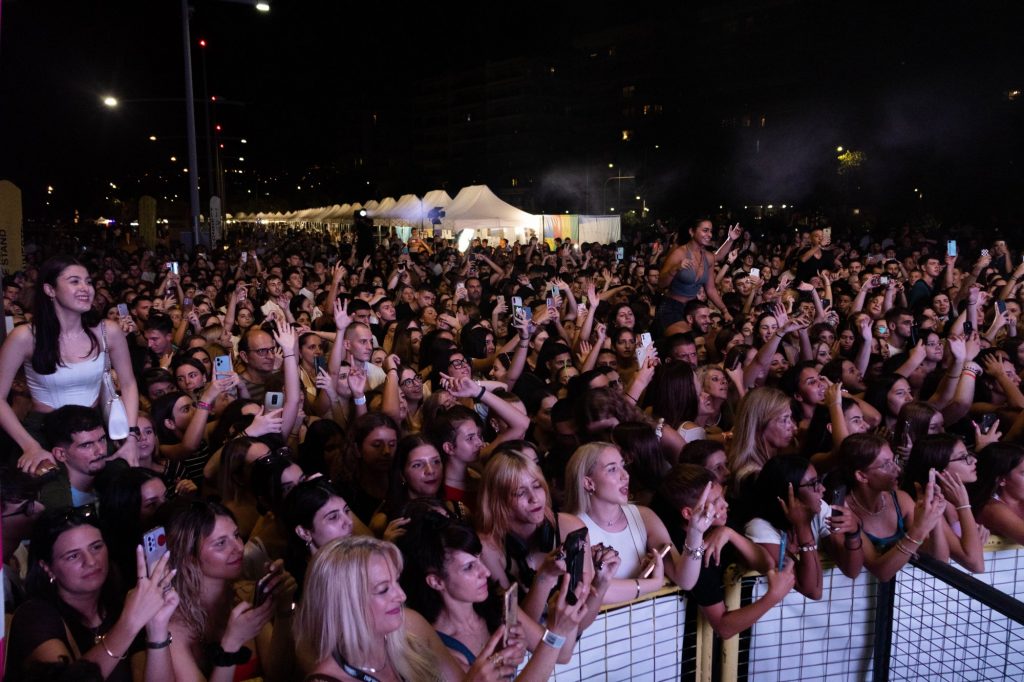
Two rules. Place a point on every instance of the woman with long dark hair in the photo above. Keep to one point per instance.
(63, 352)
(76, 610)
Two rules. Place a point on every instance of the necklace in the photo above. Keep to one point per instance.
(857, 502)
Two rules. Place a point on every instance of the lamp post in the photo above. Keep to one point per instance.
(190, 113)
(604, 190)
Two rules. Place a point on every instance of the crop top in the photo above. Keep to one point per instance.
(686, 282)
(76, 383)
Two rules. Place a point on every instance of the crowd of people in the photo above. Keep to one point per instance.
(381, 459)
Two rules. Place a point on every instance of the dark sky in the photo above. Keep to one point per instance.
(294, 70)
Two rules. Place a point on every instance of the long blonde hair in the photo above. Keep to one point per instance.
(186, 531)
(582, 464)
(748, 451)
(500, 479)
(334, 615)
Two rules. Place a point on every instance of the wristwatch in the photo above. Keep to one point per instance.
(552, 639)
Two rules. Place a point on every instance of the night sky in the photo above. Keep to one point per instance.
(922, 81)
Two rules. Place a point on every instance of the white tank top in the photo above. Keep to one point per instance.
(77, 383)
(630, 542)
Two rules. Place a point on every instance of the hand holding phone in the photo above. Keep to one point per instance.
(648, 568)
(154, 546)
(575, 544)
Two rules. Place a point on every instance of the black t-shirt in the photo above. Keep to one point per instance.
(805, 270)
(708, 589)
(39, 620)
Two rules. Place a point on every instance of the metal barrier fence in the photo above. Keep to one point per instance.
(933, 621)
(639, 640)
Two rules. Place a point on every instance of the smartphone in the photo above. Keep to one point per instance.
(838, 498)
(1001, 306)
(883, 280)
(649, 565)
(968, 327)
(186, 302)
(984, 252)
(951, 248)
(912, 339)
(554, 291)
(501, 301)
(260, 593)
(242, 293)
(645, 340)
(460, 286)
(401, 265)
(931, 476)
(509, 609)
(517, 305)
(245, 256)
(987, 422)
(782, 556)
(122, 310)
(173, 267)
(154, 546)
(551, 302)
(274, 400)
(825, 302)
(319, 363)
(222, 366)
(827, 232)
(620, 253)
(574, 545)
(755, 272)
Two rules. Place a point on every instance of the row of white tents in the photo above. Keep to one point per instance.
(475, 207)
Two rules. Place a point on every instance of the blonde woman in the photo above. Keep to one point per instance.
(520, 535)
(352, 625)
(764, 428)
(597, 493)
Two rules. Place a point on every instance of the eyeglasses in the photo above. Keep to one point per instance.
(411, 381)
(888, 465)
(457, 363)
(814, 484)
(263, 352)
(966, 457)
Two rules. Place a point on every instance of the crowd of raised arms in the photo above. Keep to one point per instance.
(401, 460)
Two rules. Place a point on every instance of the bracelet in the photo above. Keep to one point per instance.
(480, 394)
(854, 533)
(911, 538)
(553, 640)
(102, 641)
(203, 405)
(694, 552)
(216, 655)
(360, 400)
(900, 547)
(290, 356)
(637, 588)
(809, 547)
(160, 645)
(969, 372)
(963, 506)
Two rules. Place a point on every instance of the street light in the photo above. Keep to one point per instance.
(190, 113)
(110, 101)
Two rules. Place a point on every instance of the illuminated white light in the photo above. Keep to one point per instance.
(465, 237)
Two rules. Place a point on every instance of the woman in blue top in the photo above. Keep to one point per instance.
(687, 270)
(894, 526)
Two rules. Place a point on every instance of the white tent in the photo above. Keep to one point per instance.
(476, 207)
(408, 210)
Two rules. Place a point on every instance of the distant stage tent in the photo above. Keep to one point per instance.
(474, 208)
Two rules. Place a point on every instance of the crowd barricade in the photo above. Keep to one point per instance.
(937, 623)
(638, 640)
